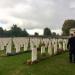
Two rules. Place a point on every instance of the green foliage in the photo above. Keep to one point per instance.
(1, 32)
(13, 32)
(36, 34)
(47, 32)
(68, 24)
(54, 34)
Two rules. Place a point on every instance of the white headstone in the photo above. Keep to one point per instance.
(34, 54)
(17, 48)
(59, 44)
(8, 48)
(50, 48)
(64, 45)
(43, 49)
(55, 46)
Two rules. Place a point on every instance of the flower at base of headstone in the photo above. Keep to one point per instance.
(30, 62)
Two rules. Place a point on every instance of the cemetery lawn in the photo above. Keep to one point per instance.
(56, 65)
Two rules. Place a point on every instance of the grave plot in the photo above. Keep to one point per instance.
(2, 51)
(53, 46)
(19, 45)
(33, 48)
(3, 46)
(50, 48)
(36, 53)
(60, 45)
(9, 48)
(65, 41)
(26, 43)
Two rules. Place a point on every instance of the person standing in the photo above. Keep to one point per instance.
(71, 47)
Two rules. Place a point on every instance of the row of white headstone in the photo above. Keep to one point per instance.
(18, 43)
(53, 45)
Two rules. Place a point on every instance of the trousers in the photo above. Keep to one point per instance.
(71, 56)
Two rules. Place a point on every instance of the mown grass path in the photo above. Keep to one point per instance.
(56, 65)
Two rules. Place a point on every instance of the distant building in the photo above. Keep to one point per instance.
(72, 30)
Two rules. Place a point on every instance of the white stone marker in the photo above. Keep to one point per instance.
(66, 41)
(34, 54)
(2, 47)
(25, 46)
(59, 44)
(17, 48)
(8, 48)
(64, 45)
(17, 44)
(42, 49)
(50, 49)
(31, 45)
(55, 47)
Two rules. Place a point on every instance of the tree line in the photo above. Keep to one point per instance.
(67, 25)
(16, 31)
(13, 32)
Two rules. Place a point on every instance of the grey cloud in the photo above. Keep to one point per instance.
(10, 3)
(41, 13)
(3, 22)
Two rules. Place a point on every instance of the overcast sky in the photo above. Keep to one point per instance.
(34, 15)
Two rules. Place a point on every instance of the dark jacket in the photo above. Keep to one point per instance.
(71, 44)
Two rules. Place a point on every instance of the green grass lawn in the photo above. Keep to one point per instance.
(56, 65)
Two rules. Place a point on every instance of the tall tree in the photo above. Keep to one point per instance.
(68, 24)
(47, 32)
(24, 33)
(18, 32)
(1, 32)
(36, 34)
(15, 31)
(54, 34)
